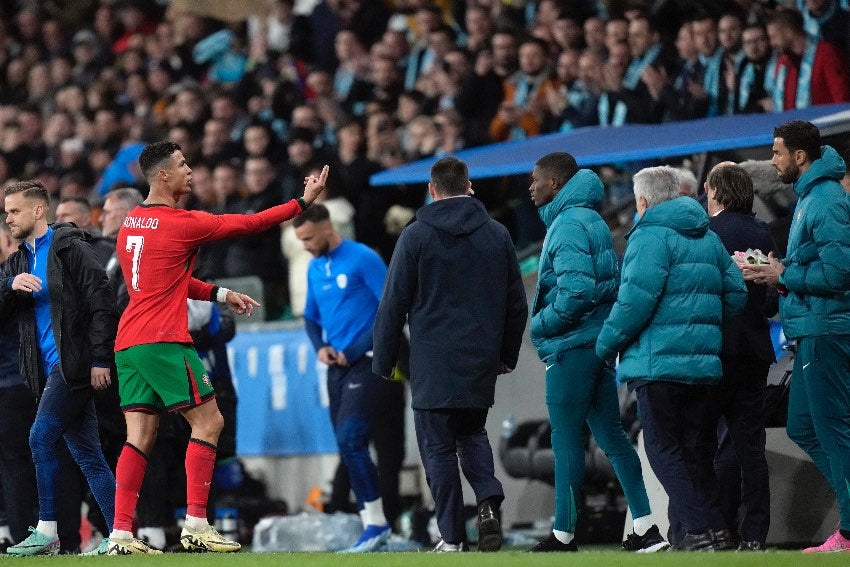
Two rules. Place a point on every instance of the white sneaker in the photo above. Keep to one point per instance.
(443, 547)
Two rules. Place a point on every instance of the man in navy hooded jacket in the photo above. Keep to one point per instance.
(455, 279)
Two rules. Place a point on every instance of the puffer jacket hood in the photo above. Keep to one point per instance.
(458, 216)
(829, 166)
(683, 214)
(584, 189)
(578, 274)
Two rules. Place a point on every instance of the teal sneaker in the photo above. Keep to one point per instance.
(36, 544)
(101, 548)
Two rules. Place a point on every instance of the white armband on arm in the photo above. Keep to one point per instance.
(221, 295)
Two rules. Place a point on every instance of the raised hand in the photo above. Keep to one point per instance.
(313, 185)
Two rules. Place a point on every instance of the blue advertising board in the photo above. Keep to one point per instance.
(283, 401)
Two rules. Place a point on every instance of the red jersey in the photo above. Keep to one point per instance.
(157, 247)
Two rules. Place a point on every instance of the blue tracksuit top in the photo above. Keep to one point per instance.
(344, 288)
(37, 261)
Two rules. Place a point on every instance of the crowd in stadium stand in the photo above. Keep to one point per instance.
(258, 103)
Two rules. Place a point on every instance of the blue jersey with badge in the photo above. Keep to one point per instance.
(343, 291)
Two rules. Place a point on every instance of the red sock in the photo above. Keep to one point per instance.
(200, 462)
(128, 481)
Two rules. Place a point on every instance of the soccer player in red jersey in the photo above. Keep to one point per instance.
(158, 367)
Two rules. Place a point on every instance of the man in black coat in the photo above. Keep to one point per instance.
(455, 279)
(746, 356)
(67, 327)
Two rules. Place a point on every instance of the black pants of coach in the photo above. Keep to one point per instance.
(17, 413)
(447, 437)
(679, 436)
(740, 462)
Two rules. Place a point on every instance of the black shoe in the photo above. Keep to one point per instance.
(551, 543)
(4, 545)
(650, 542)
(703, 541)
(489, 527)
(751, 546)
(724, 540)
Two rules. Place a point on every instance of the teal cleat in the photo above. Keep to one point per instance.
(36, 544)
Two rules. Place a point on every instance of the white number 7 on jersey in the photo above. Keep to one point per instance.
(136, 243)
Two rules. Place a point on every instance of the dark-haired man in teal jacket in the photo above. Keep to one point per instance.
(815, 308)
(576, 287)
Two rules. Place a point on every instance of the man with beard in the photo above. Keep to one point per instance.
(60, 294)
(344, 284)
(809, 72)
(814, 283)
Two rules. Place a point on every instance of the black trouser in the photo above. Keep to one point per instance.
(446, 437)
(680, 441)
(17, 413)
(740, 462)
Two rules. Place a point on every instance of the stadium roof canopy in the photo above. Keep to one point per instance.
(597, 146)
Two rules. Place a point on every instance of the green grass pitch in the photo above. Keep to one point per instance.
(473, 559)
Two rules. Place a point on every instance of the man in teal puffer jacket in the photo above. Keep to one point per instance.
(576, 287)
(678, 284)
(815, 308)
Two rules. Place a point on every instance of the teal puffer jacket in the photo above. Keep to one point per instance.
(678, 284)
(817, 268)
(578, 273)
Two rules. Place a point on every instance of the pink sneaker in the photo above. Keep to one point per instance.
(835, 542)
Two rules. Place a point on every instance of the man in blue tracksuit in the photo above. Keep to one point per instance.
(576, 287)
(344, 284)
(67, 327)
(814, 280)
(678, 285)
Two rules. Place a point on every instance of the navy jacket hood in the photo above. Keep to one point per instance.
(458, 216)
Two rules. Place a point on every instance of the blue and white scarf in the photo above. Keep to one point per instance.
(632, 76)
(620, 111)
(711, 80)
(804, 80)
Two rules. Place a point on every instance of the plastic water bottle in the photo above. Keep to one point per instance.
(508, 426)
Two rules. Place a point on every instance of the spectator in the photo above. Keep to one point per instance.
(826, 78)
(827, 20)
(729, 35)
(754, 81)
(522, 110)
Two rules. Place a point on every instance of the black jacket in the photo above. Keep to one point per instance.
(748, 333)
(82, 309)
(454, 276)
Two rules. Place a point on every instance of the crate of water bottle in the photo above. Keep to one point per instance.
(307, 531)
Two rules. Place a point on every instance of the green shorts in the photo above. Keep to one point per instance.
(161, 377)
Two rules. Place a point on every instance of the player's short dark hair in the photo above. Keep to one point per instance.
(558, 164)
(315, 213)
(31, 189)
(154, 155)
(800, 135)
(734, 188)
(450, 176)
